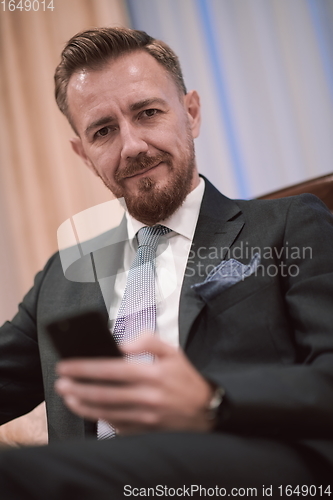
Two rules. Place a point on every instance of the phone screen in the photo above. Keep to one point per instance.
(83, 336)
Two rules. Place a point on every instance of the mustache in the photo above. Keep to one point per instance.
(140, 163)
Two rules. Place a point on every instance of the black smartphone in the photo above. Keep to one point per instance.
(83, 336)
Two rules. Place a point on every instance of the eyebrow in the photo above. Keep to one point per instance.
(147, 102)
(106, 120)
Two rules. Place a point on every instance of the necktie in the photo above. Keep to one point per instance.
(137, 312)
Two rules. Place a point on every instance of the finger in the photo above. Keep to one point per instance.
(69, 367)
(149, 343)
(109, 370)
(109, 396)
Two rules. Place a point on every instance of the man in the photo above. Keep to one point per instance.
(247, 400)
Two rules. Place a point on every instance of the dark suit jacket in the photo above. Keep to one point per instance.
(268, 340)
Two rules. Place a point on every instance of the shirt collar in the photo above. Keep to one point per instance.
(183, 221)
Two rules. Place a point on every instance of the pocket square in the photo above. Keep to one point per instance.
(226, 274)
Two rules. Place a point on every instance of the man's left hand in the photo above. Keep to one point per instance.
(168, 394)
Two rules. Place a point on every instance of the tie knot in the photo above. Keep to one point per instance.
(149, 235)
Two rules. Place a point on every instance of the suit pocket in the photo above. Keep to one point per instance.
(237, 293)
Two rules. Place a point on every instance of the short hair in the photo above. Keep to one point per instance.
(93, 48)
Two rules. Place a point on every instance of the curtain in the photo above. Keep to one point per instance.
(264, 70)
(42, 182)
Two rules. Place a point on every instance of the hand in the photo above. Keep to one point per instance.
(168, 394)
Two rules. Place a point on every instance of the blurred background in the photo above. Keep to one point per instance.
(263, 68)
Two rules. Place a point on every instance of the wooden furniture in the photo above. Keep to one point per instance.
(320, 186)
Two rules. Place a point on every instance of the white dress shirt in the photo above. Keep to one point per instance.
(172, 255)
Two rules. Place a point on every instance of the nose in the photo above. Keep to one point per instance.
(133, 142)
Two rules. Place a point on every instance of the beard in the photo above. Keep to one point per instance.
(153, 204)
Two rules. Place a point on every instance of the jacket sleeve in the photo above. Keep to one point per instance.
(21, 383)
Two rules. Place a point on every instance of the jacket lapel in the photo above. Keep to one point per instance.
(219, 223)
(108, 260)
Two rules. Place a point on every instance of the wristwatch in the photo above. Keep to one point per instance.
(214, 406)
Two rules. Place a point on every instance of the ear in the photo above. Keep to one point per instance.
(77, 147)
(193, 108)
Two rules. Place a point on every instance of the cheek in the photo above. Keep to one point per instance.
(105, 162)
(169, 140)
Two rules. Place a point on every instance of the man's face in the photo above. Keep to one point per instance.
(136, 133)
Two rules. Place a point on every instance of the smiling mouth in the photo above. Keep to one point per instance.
(143, 172)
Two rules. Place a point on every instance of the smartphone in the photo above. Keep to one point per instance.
(83, 336)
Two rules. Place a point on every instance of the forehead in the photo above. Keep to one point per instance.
(123, 81)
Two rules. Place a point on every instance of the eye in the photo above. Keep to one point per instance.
(103, 132)
(149, 113)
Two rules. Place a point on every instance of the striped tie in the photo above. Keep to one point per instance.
(137, 312)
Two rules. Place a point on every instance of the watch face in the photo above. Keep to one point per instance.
(215, 403)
